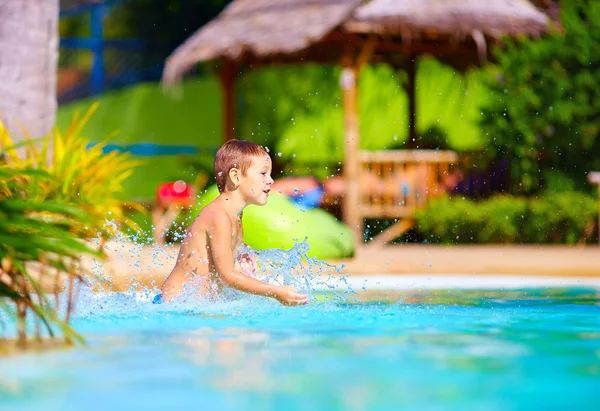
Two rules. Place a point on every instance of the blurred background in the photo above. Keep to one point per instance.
(524, 124)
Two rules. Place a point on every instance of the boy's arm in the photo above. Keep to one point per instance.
(220, 248)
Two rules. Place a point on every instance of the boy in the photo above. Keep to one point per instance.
(243, 174)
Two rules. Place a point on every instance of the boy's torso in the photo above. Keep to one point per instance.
(194, 262)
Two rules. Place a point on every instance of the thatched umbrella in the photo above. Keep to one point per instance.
(351, 32)
(254, 32)
(457, 32)
(257, 29)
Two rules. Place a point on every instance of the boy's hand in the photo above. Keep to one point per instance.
(287, 295)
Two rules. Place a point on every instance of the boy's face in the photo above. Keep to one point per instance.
(256, 184)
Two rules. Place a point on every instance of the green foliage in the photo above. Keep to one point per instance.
(564, 218)
(560, 218)
(276, 97)
(545, 107)
(55, 193)
(298, 110)
(450, 101)
(82, 175)
(38, 232)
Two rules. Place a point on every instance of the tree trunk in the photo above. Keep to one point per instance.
(28, 61)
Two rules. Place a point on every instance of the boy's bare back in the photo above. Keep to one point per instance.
(206, 260)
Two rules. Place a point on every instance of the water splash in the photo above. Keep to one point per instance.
(293, 267)
(98, 297)
(307, 274)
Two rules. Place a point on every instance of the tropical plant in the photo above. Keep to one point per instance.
(38, 252)
(545, 107)
(83, 175)
(557, 218)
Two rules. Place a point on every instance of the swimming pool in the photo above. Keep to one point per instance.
(378, 350)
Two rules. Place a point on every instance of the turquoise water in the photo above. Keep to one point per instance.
(444, 349)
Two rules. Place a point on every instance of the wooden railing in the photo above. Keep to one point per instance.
(472, 175)
(394, 183)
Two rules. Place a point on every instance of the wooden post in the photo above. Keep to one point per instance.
(594, 178)
(228, 76)
(598, 182)
(351, 212)
(412, 107)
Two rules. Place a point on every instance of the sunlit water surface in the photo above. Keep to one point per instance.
(385, 350)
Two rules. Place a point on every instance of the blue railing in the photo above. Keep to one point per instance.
(150, 149)
(99, 81)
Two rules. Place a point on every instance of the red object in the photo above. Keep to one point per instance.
(175, 193)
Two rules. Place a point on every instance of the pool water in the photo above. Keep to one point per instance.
(384, 350)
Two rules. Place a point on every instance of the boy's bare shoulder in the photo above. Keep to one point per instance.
(210, 215)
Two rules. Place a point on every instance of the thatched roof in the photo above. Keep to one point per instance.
(494, 18)
(263, 28)
(260, 27)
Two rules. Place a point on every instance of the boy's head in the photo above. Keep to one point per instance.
(233, 162)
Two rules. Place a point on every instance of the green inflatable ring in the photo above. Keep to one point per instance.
(281, 224)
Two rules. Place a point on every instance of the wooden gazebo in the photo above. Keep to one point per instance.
(352, 33)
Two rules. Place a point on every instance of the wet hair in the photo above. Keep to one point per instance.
(235, 154)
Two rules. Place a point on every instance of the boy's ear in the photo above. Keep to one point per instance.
(234, 176)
